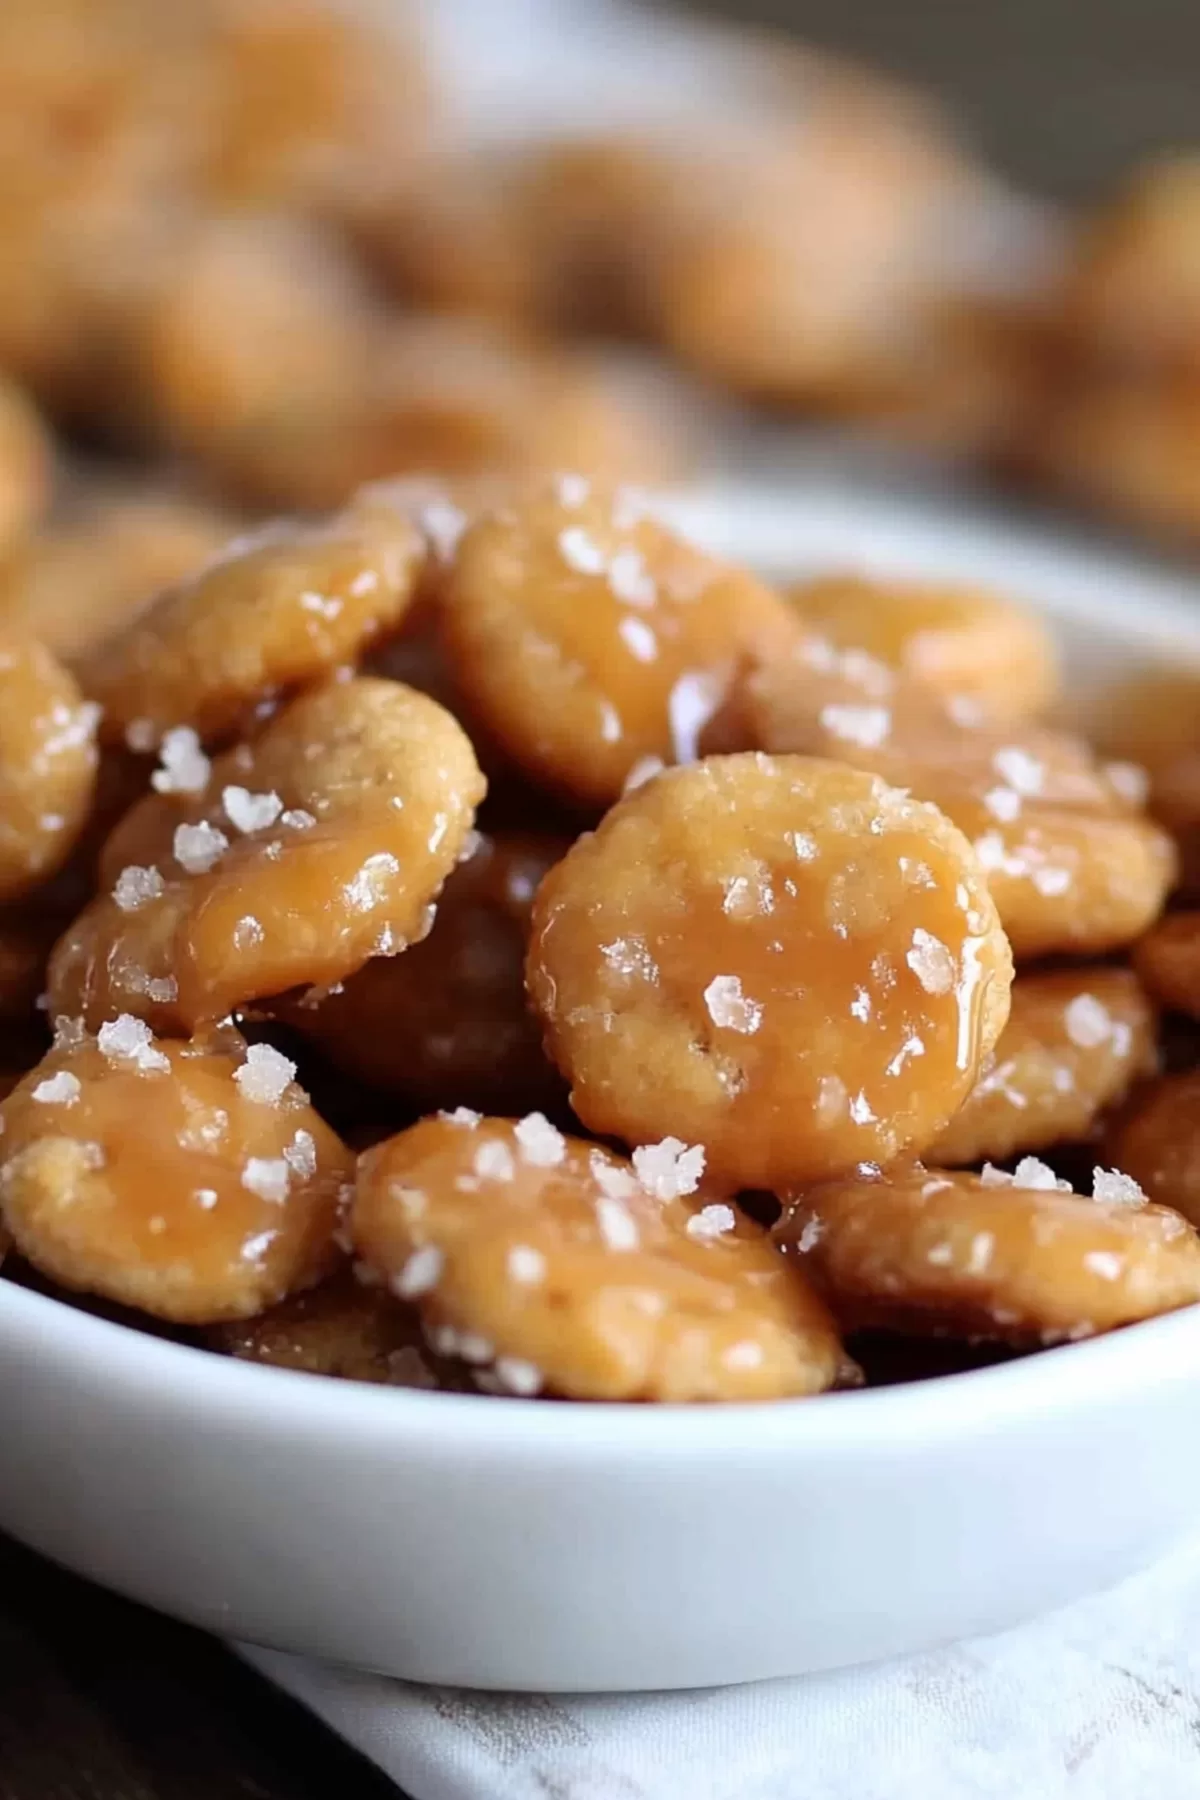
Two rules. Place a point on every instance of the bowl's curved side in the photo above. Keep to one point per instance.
(494, 1543)
(489, 1543)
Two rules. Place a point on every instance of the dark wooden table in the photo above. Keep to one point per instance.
(101, 1701)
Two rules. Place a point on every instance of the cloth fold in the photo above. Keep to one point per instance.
(1100, 1701)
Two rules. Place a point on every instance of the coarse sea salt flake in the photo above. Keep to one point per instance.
(462, 1115)
(250, 812)
(1031, 1172)
(1088, 1021)
(1129, 780)
(62, 1089)
(301, 1155)
(493, 1161)
(526, 1265)
(1116, 1189)
(810, 1235)
(420, 1274)
(542, 1144)
(1104, 1263)
(519, 1376)
(729, 1008)
(140, 735)
(198, 848)
(931, 962)
(126, 1039)
(613, 1180)
(1003, 803)
(638, 639)
(669, 1168)
(630, 579)
(711, 1222)
(572, 490)
(265, 1075)
(618, 1227)
(1020, 770)
(369, 887)
(135, 886)
(866, 726)
(982, 1246)
(267, 1176)
(184, 767)
(581, 552)
(1052, 882)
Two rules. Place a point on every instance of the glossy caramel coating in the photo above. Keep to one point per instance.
(145, 1172)
(48, 762)
(447, 1023)
(930, 1251)
(1175, 802)
(956, 640)
(1078, 883)
(1150, 718)
(589, 637)
(1075, 1042)
(281, 609)
(1126, 447)
(1157, 1139)
(1168, 961)
(77, 582)
(778, 958)
(1071, 864)
(341, 1328)
(25, 464)
(337, 827)
(266, 357)
(1131, 296)
(544, 1261)
(241, 321)
(850, 706)
(311, 104)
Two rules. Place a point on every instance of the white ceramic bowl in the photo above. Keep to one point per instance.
(500, 1543)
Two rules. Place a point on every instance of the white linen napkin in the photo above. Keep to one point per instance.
(1100, 1701)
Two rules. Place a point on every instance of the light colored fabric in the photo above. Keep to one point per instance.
(1099, 1702)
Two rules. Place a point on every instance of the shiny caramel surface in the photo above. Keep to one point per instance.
(318, 845)
(48, 763)
(342, 1328)
(778, 957)
(282, 608)
(958, 641)
(1074, 883)
(447, 1023)
(1075, 1043)
(1157, 1141)
(82, 579)
(25, 464)
(928, 1250)
(151, 1173)
(1168, 961)
(1072, 864)
(590, 638)
(547, 1264)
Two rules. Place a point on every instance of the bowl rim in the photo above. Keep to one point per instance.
(141, 1367)
(817, 523)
